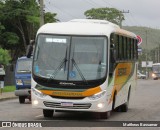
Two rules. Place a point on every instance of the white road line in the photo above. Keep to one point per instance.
(39, 116)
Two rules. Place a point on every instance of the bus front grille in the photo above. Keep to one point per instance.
(74, 106)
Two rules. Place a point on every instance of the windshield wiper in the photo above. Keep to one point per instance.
(63, 62)
(53, 75)
(79, 71)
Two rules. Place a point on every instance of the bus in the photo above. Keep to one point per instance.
(23, 78)
(83, 65)
(156, 71)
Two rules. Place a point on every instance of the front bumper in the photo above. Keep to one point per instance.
(23, 92)
(85, 104)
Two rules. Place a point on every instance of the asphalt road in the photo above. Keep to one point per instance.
(144, 106)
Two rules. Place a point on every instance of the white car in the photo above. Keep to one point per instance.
(141, 76)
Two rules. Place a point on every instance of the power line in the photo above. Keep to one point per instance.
(128, 18)
(134, 18)
(96, 3)
(108, 3)
(64, 12)
(91, 3)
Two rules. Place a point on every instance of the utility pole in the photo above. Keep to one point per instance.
(147, 74)
(121, 17)
(156, 55)
(119, 13)
(159, 54)
(41, 2)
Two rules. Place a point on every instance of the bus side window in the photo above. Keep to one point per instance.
(125, 48)
(117, 46)
(112, 54)
(132, 49)
(120, 48)
(129, 48)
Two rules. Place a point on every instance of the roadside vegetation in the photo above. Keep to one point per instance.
(19, 22)
(9, 89)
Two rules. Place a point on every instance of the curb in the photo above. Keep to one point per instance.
(7, 98)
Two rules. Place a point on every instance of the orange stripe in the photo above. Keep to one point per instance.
(86, 93)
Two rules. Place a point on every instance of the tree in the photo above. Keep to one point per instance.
(50, 17)
(4, 57)
(22, 16)
(111, 14)
(1, 17)
(19, 22)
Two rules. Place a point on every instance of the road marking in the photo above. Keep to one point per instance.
(39, 116)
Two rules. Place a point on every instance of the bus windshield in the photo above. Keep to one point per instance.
(156, 68)
(70, 58)
(24, 66)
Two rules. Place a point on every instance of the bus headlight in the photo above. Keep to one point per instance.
(98, 95)
(19, 82)
(35, 102)
(153, 75)
(38, 93)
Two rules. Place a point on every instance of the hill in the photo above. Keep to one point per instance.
(152, 36)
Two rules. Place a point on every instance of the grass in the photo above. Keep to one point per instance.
(9, 88)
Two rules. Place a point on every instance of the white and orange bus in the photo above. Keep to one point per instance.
(83, 65)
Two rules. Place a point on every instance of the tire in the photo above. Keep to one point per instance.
(29, 99)
(105, 115)
(21, 99)
(48, 113)
(124, 107)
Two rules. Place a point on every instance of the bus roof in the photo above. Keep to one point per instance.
(156, 64)
(23, 58)
(84, 27)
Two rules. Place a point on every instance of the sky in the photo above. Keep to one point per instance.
(141, 12)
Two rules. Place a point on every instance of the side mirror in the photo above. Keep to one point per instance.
(29, 51)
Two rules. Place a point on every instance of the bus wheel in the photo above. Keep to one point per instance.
(105, 115)
(47, 113)
(21, 99)
(124, 107)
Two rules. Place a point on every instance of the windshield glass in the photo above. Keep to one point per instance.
(24, 66)
(156, 68)
(70, 58)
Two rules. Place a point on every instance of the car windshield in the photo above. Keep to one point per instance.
(24, 66)
(71, 58)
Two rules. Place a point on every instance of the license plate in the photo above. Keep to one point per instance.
(68, 104)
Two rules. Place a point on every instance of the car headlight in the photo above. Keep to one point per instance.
(19, 82)
(98, 95)
(38, 93)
